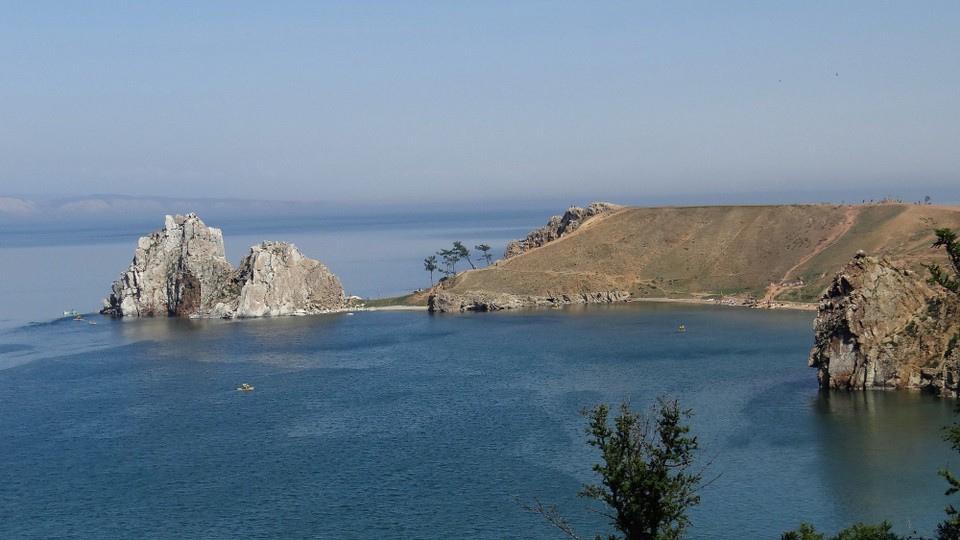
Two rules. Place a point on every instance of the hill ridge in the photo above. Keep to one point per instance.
(765, 252)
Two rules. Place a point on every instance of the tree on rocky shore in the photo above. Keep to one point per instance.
(430, 265)
(450, 259)
(948, 239)
(485, 249)
(646, 483)
(463, 252)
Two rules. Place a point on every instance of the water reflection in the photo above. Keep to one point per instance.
(875, 446)
(290, 342)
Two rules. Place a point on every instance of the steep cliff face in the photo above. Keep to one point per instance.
(178, 271)
(182, 271)
(556, 227)
(880, 326)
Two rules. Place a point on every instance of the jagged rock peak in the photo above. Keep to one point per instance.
(881, 326)
(177, 270)
(557, 227)
(276, 279)
(181, 270)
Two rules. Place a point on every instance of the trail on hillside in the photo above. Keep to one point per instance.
(850, 214)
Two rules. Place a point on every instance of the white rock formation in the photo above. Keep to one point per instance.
(276, 279)
(178, 270)
(181, 270)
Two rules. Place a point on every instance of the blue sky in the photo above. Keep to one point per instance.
(453, 101)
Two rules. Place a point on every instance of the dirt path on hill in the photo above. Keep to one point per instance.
(850, 218)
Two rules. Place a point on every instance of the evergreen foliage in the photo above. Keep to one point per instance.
(463, 253)
(949, 529)
(646, 484)
(859, 531)
(430, 265)
(485, 249)
(938, 276)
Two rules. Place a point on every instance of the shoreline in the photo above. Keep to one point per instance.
(733, 302)
(388, 308)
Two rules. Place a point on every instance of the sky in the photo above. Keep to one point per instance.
(438, 101)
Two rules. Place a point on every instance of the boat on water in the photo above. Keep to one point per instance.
(71, 313)
(244, 388)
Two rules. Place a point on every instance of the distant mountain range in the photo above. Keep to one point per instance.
(112, 207)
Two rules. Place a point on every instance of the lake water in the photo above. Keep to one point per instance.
(406, 425)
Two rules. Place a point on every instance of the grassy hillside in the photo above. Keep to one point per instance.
(682, 252)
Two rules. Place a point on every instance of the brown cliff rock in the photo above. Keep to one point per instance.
(880, 326)
(558, 226)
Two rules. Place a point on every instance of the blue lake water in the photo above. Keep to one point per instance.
(406, 425)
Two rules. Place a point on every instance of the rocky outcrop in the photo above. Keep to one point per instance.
(182, 271)
(556, 228)
(442, 302)
(276, 279)
(178, 270)
(880, 326)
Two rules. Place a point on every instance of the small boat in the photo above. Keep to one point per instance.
(78, 318)
(244, 387)
(681, 329)
(91, 322)
(71, 313)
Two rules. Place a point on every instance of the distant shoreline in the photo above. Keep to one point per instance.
(739, 303)
(797, 306)
(388, 308)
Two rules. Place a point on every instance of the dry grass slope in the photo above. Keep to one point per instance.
(691, 252)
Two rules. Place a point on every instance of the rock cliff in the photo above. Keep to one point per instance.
(556, 227)
(182, 271)
(881, 326)
(276, 279)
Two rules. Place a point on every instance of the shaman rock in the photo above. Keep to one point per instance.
(176, 271)
(276, 279)
(880, 326)
(181, 271)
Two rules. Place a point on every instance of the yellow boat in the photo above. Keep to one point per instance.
(244, 387)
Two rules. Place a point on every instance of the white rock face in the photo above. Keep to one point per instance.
(175, 271)
(181, 270)
(276, 279)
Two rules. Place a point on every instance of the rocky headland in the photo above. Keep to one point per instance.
(880, 325)
(181, 271)
(761, 256)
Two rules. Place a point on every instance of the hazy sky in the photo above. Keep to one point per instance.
(450, 100)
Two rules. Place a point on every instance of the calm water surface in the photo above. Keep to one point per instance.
(405, 425)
